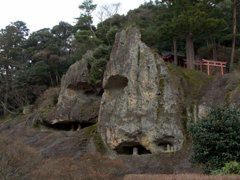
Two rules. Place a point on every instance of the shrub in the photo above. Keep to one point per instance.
(102, 51)
(232, 167)
(98, 62)
(216, 138)
(97, 69)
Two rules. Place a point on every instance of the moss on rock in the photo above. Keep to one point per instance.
(91, 133)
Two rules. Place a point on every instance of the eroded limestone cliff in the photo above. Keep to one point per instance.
(140, 108)
(78, 101)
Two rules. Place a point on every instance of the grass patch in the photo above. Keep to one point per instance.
(9, 118)
(91, 132)
(195, 79)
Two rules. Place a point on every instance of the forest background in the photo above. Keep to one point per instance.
(32, 62)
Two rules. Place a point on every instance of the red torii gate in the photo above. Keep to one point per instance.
(209, 63)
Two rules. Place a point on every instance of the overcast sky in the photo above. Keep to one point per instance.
(38, 14)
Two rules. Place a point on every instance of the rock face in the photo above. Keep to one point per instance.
(140, 105)
(78, 101)
(223, 90)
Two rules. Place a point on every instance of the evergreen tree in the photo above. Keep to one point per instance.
(234, 33)
(191, 19)
(11, 40)
(85, 20)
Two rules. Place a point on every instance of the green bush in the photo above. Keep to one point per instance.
(216, 138)
(232, 167)
(97, 63)
(97, 69)
(37, 73)
(102, 51)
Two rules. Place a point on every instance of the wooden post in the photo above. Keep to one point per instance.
(222, 69)
(208, 68)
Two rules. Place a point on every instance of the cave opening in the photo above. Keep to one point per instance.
(165, 145)
(86, 124)
(63, 126)
(85, 86)
(132, 149)
(100, 92)
(89, 92)
(68, 126)
(116, 82)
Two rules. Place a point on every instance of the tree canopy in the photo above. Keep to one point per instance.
(195, 28)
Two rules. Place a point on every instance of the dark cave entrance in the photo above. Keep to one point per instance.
(86, 124)
(67, 126)
(116, 82)
(165, 145)
(63, 126)
(131, 148)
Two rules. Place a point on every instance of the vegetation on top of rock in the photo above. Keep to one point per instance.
(91, 132)
(31, 61)
(196, 80)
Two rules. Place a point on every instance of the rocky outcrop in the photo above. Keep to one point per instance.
(78, 101)
(140, 108)
(223, 90)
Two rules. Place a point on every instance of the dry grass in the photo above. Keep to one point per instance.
(47, 98)
(20, 161)
(16, 159)
(92, 167)
(181, 177)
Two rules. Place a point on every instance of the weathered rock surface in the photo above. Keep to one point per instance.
(140, 107)
(78, 100)
(223, 90)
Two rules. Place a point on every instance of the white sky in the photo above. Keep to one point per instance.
(38, 14)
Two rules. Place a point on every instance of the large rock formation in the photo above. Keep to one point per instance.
(140, 108)
(78, 101)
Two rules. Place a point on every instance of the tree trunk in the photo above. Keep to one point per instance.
(214, 50)
(5, 108)
(94, 35)
(234, 34)
(190, 51)
(175, 51)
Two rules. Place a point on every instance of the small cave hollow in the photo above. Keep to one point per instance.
(85, 86)
(165, 146)
(86, 124)
(116, 82)
(100, 92)
(64, 126)
(131, 149)
(68, 126)
(89, 92)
